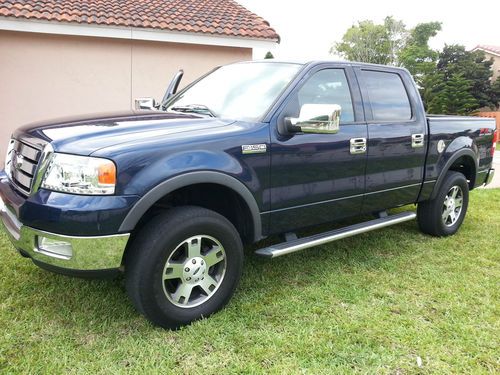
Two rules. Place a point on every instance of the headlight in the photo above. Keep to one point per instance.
(80, 175)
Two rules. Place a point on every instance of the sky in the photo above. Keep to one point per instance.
(309, 28)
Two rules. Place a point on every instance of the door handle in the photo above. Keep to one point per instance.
(417, 140)
(358, 145)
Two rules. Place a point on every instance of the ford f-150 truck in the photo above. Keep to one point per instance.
(170, 193)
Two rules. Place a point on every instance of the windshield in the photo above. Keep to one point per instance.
(243, 91)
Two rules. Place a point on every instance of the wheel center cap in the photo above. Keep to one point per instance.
(194, 270)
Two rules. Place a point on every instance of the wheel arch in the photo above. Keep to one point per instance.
(463, 161)
(190, 179)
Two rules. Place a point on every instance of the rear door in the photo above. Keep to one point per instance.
(397, 138)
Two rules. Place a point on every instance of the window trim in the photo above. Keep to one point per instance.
(356, 97)
(367, 104)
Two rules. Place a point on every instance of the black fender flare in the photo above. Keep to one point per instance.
(191, 178)
(454, 157)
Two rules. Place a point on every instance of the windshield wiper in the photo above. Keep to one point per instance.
(194, 108)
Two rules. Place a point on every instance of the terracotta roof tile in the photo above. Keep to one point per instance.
(216, 17)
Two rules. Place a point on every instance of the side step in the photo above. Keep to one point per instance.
(292, 246)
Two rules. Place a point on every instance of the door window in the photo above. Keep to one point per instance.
(388, 97)
(327, 86)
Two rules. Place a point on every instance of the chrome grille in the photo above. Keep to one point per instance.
(21, 164)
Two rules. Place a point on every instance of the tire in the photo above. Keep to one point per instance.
(442, 216)
(185, 264)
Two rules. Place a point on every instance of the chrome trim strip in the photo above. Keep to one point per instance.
(391, 189)
(284, 248)
(339, 199)
(311, 204)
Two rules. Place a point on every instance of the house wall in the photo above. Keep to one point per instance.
(496, 64)
(45, 76)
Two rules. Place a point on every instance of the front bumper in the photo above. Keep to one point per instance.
(87, 253)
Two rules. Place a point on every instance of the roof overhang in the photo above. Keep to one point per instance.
(486, 51)
(131, 33)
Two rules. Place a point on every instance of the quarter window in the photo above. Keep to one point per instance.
(388, 97)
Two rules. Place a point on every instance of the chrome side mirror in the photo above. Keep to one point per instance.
(144, 104)
(316, 118)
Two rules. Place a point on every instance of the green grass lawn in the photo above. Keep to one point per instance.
(382, 302)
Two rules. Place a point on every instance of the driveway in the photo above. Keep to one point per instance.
(496, 180)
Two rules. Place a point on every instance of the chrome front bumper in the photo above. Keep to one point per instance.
(86, 253)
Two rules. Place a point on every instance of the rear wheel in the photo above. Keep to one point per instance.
(444, 215)
(184, 265)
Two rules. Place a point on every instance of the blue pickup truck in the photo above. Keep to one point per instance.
(170, 193)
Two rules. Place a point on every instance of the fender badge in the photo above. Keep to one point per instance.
(441, 146)
(254, 149)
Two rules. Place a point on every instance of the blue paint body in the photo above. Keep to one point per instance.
(302, 179)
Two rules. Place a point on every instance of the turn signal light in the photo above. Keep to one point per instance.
(107, 173)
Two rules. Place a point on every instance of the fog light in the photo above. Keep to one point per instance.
(55, 248)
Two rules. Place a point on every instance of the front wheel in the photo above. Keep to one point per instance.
(444, 215)
(184, 265)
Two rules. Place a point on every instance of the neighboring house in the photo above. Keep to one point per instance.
(491, 52)
(60, 58)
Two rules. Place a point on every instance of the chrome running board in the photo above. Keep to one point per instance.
(292, 246)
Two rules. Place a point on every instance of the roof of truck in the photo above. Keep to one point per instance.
(324, 61)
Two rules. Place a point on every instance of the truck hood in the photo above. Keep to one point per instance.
(87, 134)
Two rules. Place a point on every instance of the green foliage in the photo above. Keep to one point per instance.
(390, 43)
(269, 55)
(460, 83)
(495, 88)
(365, 42)
(454, 81)
(396, 38)
(450, 95)
(454, 59)
(416, 55)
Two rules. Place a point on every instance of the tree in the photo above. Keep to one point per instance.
(396, 38)
(390, 43)
(455, 59)
(450, 95)
(365, 42)
(416, 55)
(460, 83)
(495, 87)
(269, 55)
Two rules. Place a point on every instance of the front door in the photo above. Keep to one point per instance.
(316, 178)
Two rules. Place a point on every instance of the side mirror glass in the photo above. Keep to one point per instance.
(142, 104)
(316, 118)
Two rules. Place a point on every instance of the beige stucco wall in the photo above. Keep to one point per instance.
(496, 64)
(44, 76)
